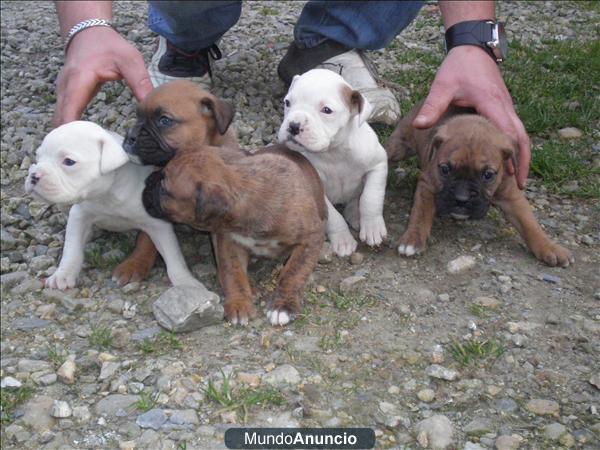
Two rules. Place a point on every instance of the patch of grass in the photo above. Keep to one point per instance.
(479, 311)
(558, 163)
(165, 342)
(347, 301)
(475, 350)
(266, 11)
(147, 401)
(57, 356)
(100, 337)
(235, 399)
(95, 259)
(10, 399)
(331, 341)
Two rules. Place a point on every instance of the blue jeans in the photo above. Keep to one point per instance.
(368, 25)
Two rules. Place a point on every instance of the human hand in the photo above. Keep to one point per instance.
(468, 77)
(95, 56)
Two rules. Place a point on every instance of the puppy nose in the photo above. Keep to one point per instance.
(34, 177)
(294, 128)
(129, 142)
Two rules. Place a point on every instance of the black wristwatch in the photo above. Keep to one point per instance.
(487, 34)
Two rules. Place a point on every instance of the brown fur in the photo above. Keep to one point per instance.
(467, 142)
(272, 195)
(207, 120)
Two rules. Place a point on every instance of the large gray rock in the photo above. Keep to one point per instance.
(36, 413)
(187, 308)
(435, 432)
(111, 404)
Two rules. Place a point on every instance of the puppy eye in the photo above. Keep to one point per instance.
(165, 121)
(326, 110)
(488, 175)
(286, 102)
(444, 170)
(68, 162)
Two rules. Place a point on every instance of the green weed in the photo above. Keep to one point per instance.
(10, 399)
(100, 337)
(475, 350)
(165, 342)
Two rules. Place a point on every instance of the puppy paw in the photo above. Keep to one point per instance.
(556, 255)
(342, 243)
(280, 316)
(61, 279)
(373, 231)
(129, 271)
(410, 244)
(239, 312)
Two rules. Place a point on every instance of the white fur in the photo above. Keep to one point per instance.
(345, 151)
(260, 247)
(278, 317)
(105, 190)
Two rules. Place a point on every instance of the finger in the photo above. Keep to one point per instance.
(524, 156)
(76, 90)
(434, 105)
(136, 76)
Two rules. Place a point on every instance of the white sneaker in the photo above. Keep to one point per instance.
(359, 72)
(169, 64)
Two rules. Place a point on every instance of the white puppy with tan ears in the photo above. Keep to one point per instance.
(325, 120)
(82, 164)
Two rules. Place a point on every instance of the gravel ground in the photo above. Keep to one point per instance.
(375, 347)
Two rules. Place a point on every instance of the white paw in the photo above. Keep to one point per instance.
(243, 321)
(278, 317)
(342, 243)
(407, 250)
(61, 279)
(373, 231)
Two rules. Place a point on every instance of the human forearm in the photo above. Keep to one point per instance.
(71, 13)
(460, 11)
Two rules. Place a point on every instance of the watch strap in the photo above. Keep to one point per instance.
(471, 32)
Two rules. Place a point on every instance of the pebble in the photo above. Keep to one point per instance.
(326, 255)
(31, 323)
(82, 414)
(506, 442)
(33, 365)
(542, 407)
(426, 395)
(567, 440)
(108, 370)
(44, 379)
(66, 372)
(487, 302)
(479, 426)
(441, 372)
(350, 283)
(357, 258)
(61, 409)
(155, 419)
(554, 431)
(285, 374)
(46, 312)
(595, 380)
(506, 405)
(36, 414)
(550, 278)
(443, 297)
(461, 264)
(435, 432)
(10, 383)
(186, 308)
(569, 133)
(111, 404)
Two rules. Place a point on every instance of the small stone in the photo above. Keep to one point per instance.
(66, 372)
(472, 446)
(479, 426)
(425, 295)
(108, 370)
(60, 409)
(437, 371)
(30, 323)
(506, 442)
(113, 403)
(46, 312)
(33, 365)
(542, 407)
(187, 308)
(443, 297)
(487, 302)
(554, 431)
(567, 440)
(349, 284)
(394, 390)
(326, 255)
(506, 405)
(426, 395)
(550, 278)
(36, 414)
(587, 239)
(461, 264)
(251, 379)
(569, 133)
(82, 414)
(321, 289)
(10, 383)
(155, 418)
(13, 278)
(115, 305)
(130, 288)
(595, 380)
(285, 374)
(519, 340)
(44, 379)
(357, 258)
(435, 432)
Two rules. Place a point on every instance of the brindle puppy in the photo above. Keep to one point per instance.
(462, 161)
(202, 118)
(270, 203)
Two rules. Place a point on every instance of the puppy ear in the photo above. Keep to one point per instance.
(360, 106)
(440, 135)
(211, 202)
(294, 79)
(510, 150)
(221, 111)
(112, 155)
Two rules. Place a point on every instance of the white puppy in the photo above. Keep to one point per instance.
(325, 120)
(82, 164)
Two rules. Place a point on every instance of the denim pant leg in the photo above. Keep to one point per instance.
(192, 25)
(367, 25)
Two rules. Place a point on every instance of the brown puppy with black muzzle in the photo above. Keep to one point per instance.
(463, 161)
(270, 203)
(153, 141)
